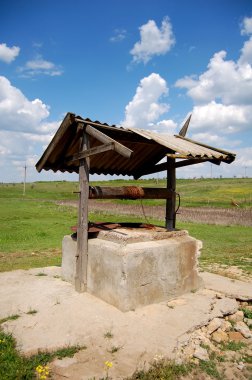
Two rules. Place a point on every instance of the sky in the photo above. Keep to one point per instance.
(136, 63)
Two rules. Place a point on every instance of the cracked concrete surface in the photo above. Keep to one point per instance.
(65, 317)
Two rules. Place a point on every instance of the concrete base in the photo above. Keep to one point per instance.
(129, 273)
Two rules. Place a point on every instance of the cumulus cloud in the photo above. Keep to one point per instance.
(224, 80)
(222, 94)
(40, 66)
(17, 112)
(220, 118)
(8, 54)
(145, 107)
(25, 129)
(246, 26)
(153, 41)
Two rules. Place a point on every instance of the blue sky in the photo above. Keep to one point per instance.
(146, 64)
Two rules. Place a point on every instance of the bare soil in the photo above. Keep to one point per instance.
(208, 215)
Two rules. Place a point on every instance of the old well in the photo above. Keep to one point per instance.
(127, 265)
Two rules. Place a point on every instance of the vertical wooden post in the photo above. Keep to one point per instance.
(82, 230)
(170, 217)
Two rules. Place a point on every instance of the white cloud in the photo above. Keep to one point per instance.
(219, 118)
(8, 54)
(118, 35)
(17, 112)
(154, 41)
(145, 107)
(227, 81)
(40, 66)
(246, 58)
(246, 26)
(25, 131)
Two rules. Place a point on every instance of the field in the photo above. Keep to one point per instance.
(32, 225)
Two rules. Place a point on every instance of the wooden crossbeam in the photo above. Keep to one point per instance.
(119, 148)
(91, 152)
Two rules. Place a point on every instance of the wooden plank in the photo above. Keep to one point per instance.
(128, 192)
(173, 155)
(82, 230)
(119, 148)
(163, 166)
(90, 152)
(170, 216)
(191, 161)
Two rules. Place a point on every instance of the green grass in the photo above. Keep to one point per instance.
(12, 317)
(232, 346)
(247, 313)
(31, 235)
(163, 370)
(194, 192)
(15, 366)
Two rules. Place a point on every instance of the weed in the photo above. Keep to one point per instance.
(32, 312)
(15, 366)
(10, 318)
(247, 313)
(210, 368)
(163, 370)
(41, 274)
(114, 349)
(232, 346)
(108, 335)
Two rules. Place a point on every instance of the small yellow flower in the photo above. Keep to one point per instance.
(108, 364)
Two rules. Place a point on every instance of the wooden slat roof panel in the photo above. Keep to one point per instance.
(148, 148)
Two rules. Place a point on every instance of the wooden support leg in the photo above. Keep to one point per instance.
(82, 230)
(170, 218)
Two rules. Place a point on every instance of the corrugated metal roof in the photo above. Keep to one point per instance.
(147, 147)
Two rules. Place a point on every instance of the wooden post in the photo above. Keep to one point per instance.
(82, 230)
(170, 218)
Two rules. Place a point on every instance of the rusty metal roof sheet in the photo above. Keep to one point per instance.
(145, 149)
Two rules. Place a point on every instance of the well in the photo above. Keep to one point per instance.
(128, 267)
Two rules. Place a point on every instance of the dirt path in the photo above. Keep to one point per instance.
(209, 215)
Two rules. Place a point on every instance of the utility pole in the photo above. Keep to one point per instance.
(245, 172)
(25, 168)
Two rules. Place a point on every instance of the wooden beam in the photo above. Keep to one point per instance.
(82, 230)
(90, 152)
(163, 166)
(174, 155)
(128, 192)
(170, 217)
(152, 169)
(191, 161)
(119, 148)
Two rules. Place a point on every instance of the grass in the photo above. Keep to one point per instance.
(232, 346)
(114, 349)
(15, 366)
(215, 192)
(10, 318)
(108, 335)
(32, 312)
(163, 370)
(31, 234)
(247, 313)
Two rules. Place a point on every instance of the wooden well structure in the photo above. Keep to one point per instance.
(90, 147)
